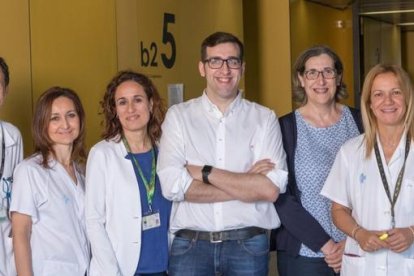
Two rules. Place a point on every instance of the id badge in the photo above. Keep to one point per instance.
(151, 221)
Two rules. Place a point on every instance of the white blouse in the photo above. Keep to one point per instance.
(355, 182)
(56, 205)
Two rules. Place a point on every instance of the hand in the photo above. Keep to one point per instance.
(399, 239)
(369, 240)
(262, 167)
(195, 172)
(334, 257)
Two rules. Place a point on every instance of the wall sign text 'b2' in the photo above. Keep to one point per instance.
(149, 55)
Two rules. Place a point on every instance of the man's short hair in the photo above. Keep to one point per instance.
(5, 70)
(219, 38)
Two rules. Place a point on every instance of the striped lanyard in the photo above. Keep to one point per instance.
(149, 185)
(398, 184)
(3, 152)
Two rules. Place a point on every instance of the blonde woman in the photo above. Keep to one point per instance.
(371, 182)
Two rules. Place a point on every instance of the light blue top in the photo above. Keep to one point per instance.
(314, 156)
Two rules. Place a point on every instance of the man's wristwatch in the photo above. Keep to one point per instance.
(206, 172)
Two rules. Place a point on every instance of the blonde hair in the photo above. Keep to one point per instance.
(368, 118)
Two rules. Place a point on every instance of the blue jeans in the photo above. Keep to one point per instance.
(203, 258)
(153, 274)
(288, 265)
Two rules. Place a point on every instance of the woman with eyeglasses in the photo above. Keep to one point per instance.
(127, 216)
(371, 182)
(47, 207)
(308, 243)
(11, 153)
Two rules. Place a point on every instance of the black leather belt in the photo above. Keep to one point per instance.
(214, 237)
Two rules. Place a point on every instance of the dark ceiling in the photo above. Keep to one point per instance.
(367, 6)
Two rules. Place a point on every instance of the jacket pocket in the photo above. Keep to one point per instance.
(353, 266)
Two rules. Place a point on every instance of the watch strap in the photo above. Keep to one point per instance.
(205, 172)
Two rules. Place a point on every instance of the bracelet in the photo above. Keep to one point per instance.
(412, 229)
(354, 231)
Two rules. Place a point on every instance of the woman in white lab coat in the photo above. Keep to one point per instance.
(47, 207)
(11, 153)
(372, 181)
(126, 215)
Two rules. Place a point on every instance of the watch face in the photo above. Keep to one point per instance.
(205, 172)
(207, 169)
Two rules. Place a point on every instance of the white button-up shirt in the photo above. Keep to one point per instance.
(197, 133)
(13, 155)
(355, 182)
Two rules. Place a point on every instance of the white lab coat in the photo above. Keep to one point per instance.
(113, 211)
(355, 182)
(13, 155)
(55, 204)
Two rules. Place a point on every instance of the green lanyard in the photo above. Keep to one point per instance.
(149, 187)
(397, 189)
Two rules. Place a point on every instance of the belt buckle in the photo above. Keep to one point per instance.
(216, 237)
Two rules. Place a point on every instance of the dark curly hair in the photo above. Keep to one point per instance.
(112, 125)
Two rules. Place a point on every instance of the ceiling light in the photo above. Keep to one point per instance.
(386, 12)
(406, 24)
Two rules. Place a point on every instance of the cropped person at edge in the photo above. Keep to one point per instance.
(11, 154)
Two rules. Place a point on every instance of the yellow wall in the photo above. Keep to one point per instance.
(73, 44)
(81, 45)
(142, 21)
(267, 40)
(313, 24)
(15, 49)
(407, 45)
(382, 43)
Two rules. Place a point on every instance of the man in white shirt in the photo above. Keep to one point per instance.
(222, 163)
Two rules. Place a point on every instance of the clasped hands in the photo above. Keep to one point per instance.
(398, 239)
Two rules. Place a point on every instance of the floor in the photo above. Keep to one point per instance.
(272, 264)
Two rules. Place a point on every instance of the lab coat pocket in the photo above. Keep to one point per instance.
(407, 197)
(407, 267)
(353, 266)
(53, 268)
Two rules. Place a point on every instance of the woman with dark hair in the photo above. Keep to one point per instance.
(127, 217)
(47, 207)
(307, 242)
(371, 182)
(11, 153)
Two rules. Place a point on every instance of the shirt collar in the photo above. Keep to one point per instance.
(212, 108)
(400, 150)
(8, 137)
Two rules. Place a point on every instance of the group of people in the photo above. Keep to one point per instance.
(195, 190)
